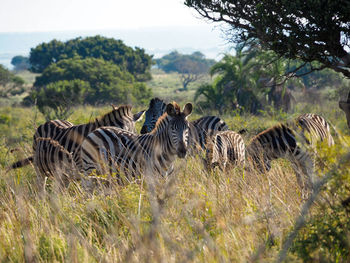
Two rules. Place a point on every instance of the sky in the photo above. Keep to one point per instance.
(62, 15)
(158, 26)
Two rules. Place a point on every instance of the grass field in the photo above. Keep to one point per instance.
(192, 216)
(167, 86)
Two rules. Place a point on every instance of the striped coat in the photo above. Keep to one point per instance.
(226, 149)
(155, 110)
(292, 141)
(46, 130)
(57, 147)
(200, 129)
(110, 150)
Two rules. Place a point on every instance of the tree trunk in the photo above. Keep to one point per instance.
(345, 106)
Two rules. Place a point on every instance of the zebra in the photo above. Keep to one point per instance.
(51, 160)
(46, 130)
(202, 130)
(155, 110)
(110, 150)
(199, 130)
(291, 140)
(226, 149)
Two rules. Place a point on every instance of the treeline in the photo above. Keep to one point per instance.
(253, 79)
(92, 70)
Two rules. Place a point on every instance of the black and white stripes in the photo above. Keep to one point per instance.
(226, 149)
(295, 141)
(109, 145)
(110, 150)
(57, 143)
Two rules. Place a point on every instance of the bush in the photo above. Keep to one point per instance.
(134, 61)
(108, 83)
(57, 99)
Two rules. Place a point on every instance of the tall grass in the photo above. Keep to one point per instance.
(191, 216)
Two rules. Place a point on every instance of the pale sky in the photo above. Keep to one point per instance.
(61, 15)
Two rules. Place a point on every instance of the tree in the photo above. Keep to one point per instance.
(10, 84)
(244, 81)
(190, 67)
(108, 83)
(213, 97)
(20, 63)
(56, 99)
(239, 78)
(306, 30)
(135, 61)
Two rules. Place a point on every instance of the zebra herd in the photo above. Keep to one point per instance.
(110, 145)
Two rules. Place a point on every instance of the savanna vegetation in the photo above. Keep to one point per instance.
(193, 215)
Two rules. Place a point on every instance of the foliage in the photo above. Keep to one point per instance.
(56, 99)
(20, 63)
(108, 83)
(326, 234)
(236, 82)
(252, 79)
(190, 67)
(306, 30)
(213, 95)
(134, 61)
(10, 84)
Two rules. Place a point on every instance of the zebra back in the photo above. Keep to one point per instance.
(155, 110)
(49, 129)
(49, 158)
(204, 128)
(271, 144)
(225, 149)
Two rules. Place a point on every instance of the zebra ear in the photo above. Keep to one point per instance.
(138, 116)
(187, 109)
(170, 109)
(113, 106)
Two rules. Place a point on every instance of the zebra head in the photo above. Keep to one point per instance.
(123, 118)
(178, 127)
(155, 110)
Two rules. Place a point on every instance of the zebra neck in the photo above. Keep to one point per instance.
(162, 142)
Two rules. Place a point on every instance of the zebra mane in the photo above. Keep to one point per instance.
(123, 110)
(163, 118)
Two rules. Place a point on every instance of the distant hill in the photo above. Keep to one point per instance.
(156, 40)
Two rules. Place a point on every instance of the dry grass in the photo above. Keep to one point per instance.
(192, 216)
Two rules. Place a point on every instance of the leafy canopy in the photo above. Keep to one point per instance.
(315, 30)
(135, 61)
(107, 82)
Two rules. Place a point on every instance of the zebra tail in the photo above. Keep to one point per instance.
(20, 163)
